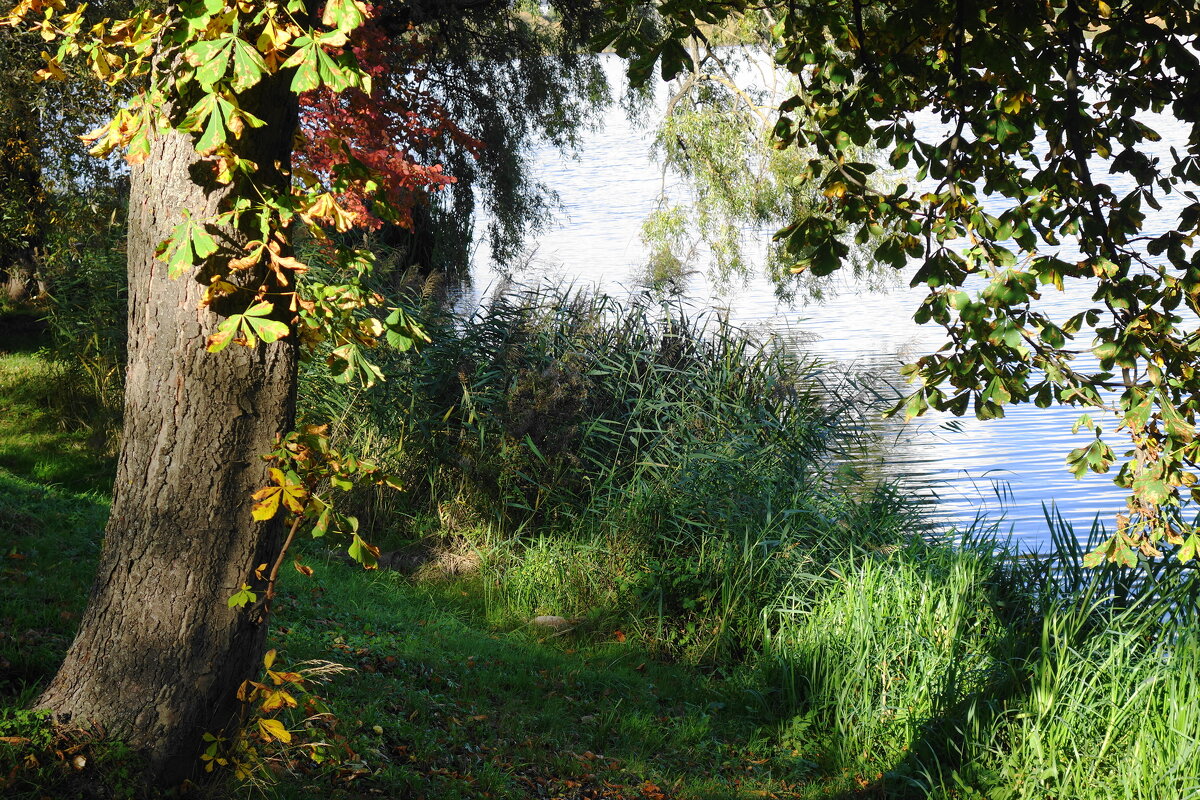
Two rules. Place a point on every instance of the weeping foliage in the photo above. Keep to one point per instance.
(511, 80)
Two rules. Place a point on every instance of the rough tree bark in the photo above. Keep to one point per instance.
(159, 655)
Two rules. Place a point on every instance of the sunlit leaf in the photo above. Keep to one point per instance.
(273, 729)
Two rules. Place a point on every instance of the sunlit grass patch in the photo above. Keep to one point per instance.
(34, 442)
(514, 712)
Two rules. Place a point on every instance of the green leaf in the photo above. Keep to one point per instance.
(1189, 549)
(1177, 427)
(189, 244)
(402, 331)
(248, 66)
(363, 553)
(242, 597)
(304, 60)
(198, 113)
(1153, 490)
(321, 527)
(347, 363)
(214, 134)
(345, 15)
(262, 308)
(225, 334)
(211, 59)
(269, 330)
(1004, 128)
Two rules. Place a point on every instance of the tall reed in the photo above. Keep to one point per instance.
(544, 404)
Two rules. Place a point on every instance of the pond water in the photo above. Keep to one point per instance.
(1010, 469)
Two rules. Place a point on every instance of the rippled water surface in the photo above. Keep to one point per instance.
(1010, 467)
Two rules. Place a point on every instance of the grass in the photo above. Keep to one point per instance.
(545, 407)
(896, 672)
(464, 709)
(729, 632)
(34, 441)
(468, 710)
(49, 542)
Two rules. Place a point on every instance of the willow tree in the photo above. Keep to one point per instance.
(1041, 101)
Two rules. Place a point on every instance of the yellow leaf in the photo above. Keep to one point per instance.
(273, 729)
(51, 70)
(293, 498)
(277, 699)
(835, 190)
(268, 503)
(326, 209)
(280, 678)
(215, 291)
(269, 659)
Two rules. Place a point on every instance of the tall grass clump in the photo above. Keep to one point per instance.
(543, 405)
(891, 653)
(967, 672)
(660, 451)
(1106, 707)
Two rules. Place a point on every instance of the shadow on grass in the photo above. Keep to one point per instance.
(449, 710)
(49, 546)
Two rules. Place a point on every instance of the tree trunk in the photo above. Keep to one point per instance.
(17, 278)
(159, 654)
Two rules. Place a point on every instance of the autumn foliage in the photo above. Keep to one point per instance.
(391, 131)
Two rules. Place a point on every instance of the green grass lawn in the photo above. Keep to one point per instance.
(49, 543)
(441, 706)
(438, 705)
